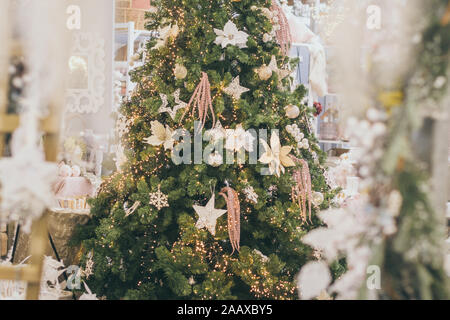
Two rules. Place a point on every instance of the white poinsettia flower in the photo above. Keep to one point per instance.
(276, 156)
(161, 136)
(231, 35)
(238, 139)
(313, 279)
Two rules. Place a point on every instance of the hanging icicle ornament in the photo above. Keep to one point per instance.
(234, 216)
(301, 191)
(132, 209)
(89, 269)
(282, 32)
(201, 100)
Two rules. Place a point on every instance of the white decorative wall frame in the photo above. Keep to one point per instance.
(86, 87)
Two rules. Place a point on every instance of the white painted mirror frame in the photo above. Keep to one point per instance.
(90, 100)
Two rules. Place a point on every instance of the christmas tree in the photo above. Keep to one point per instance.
(210, 228)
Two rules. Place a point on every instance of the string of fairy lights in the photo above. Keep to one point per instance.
(198, 249)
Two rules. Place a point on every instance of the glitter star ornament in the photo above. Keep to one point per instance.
(172, 111)
(282, 73)
(235, 89)
(208, 215)
(231, 35)
(159, 199)
(26, 185)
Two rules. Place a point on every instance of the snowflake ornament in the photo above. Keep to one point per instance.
(251, 194)
(159, 199)
(272, 190)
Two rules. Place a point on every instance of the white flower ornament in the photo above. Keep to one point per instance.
(161, 136)
(238, 139)
(230, 35)
(275, 156)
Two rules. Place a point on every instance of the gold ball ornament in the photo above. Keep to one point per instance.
(292, 111)
(267, 13)
(317, 198)
(264, 73)
(180, 71)
(267, 37)
(215, 159)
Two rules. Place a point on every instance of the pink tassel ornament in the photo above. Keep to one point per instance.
(302, 190)
(234, 216)
(201, 100)
(283, 35)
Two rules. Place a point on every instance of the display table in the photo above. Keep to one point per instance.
(61, 225)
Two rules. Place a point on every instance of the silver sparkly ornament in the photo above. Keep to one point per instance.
(235, 89)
